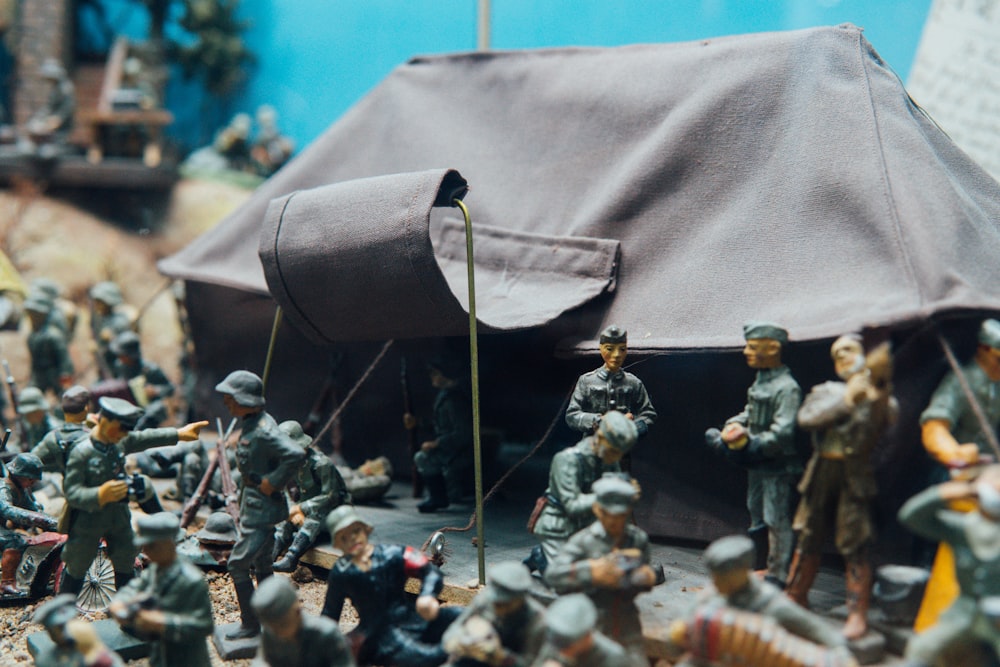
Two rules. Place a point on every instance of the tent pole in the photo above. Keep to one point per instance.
(270, 346)
(474, 362)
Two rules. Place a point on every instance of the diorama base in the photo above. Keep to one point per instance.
(233, 649)
(122, 643)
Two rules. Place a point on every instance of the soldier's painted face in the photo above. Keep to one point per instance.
(731, 581)
(848, 357)
(160, 552)
(614, 355)
(762, 353)
(287, 627)
(988, 359)
(606, 452)
(507, 607)
(352, 540)
(613, 524)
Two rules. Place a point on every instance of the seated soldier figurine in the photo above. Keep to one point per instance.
(291, 638)
(74, 641)
(393, 628)
(503, 625)
(573, 639)
(51, 366)
(149, 384)
(610, 388)
(321, 489)
(18, 509)
(609, 561)
(108, 318)
(33, 411)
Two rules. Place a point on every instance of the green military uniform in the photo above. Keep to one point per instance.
(32, 402)
(598, 391)
(181, 592)
(50, 360)
(568, 620)
(520, 633)
(974, 539)
(63, 652)
(91, 463)
(105, 327)
(451, 459)
(129, 365)
(54, 448)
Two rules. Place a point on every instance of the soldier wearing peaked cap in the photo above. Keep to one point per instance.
(97, 495)
(504, 626)
(291, 638)
(572, 638)
(609, 561)
(74, 642)
(268, 460)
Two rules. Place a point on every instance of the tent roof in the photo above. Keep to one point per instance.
(783, 176)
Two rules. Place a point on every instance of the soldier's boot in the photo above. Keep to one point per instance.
(437, 494)
(535, 561)
(151, 505)
(801, 577)
(249, 625)
(8, 571)
(281, 542)
(290, 560)
(759, 537)
(70, 584)
(859, 591)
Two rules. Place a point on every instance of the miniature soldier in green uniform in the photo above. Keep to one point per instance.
(63, 313)
(321, 488)
(291, 638)
(762, 439)
(975, 539)
(168, 603)
(74, 642)
(950, 430)
(569, 499)
(444, 462)
(847, 419)
(51, 366)
(154, 387)
(18, 508)
(609, 561)
(97, 494)
(33, 409)
(502, 627)
(572, 638)
(54, 448)
(268, 460)
(729, 561)
(610, 388)
(107, 320)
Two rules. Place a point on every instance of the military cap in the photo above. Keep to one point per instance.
(52, 69)
(770, 330)
(31, 399)
(56, 612)
(614, 494)
(614, 334)
(120, 410)
(729, 553)
(127, 343)
(219, 528)
(570, 618)
(38, 302)
(341, 518)
(159, 527)
(47, 286)
(989, 333)
(107, 292)
(273, 598)
(246, 388)
(618, 430)
(76, 399)
(27, 465)
(509, 580)
(293, 430)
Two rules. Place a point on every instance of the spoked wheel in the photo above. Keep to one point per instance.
(98, 585)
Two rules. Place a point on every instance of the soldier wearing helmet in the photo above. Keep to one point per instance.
(150, 385)
(19, 508)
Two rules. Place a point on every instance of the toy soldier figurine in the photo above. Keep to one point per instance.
(567, 505)
(54, 448)
(609, 561)
(502, 627)
(392, 628)
(52, 123)
(762, 439)
(107, 320)
(974, 537)
(321, 488)
(571, 637)
(268, 460)
(64, 312)
(51, 366)
(610, 388)
(444, 462)
(168, 603)
(152, 389)
(33, 409)
(729, 561)
(74, 642)
(291, 638)
(97, 490)
(847, 419)
(18, 508)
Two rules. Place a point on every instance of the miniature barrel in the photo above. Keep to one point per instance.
(727, 636)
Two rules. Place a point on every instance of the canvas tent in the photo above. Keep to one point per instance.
(678, 190)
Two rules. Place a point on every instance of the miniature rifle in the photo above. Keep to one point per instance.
(418, 481)
(195, 501)
(226, 475)
(103, 370)
(3, 447)
(22, 429)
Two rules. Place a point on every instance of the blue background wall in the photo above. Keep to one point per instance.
(316, 58)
